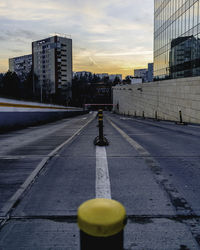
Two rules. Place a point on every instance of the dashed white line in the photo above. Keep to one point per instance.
(103, 189)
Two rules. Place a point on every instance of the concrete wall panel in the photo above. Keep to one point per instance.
(166, 97)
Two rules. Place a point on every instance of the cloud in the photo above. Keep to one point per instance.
(101, 30)
(109, 40)
(94, 63)
(19, 34)
(16, 50)
(3, 37)
(31, 10)
(125, 53)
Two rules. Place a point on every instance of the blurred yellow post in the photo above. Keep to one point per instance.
(101, 223)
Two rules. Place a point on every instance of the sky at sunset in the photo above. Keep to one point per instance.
(109, 36)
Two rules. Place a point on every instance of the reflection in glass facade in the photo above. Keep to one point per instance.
(176, 38)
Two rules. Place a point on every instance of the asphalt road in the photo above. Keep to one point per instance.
(153, 169)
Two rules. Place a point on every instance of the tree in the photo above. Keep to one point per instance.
(11, 85)
(28, 86)
(1, 84)
(116, 81)
(106, 79)
(127, 80)
(95, 78)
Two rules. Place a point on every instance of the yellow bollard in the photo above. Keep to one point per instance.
(101, 223)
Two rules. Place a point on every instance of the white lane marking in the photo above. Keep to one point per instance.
(102, 174)
(4, 212)
(136, 145)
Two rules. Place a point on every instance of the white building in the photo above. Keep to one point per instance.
(52, 66)
(141, 73)
(81, 73)
(135, 80)
(21, 66)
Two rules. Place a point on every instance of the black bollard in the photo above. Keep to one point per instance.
(88, 242)
(101, 223)
(180, 115)
(181, 119)
(100, 140)
(101, 126)
(135, 114)
(156, 116)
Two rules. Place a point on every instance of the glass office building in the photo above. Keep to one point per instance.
(176, 38)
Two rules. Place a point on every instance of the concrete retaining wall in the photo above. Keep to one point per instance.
(166, 97)
(15, 120)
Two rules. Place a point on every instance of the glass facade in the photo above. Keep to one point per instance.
(176, 38)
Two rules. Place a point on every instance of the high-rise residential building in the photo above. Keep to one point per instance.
(176, 38)
(52, 67)
(21, 66)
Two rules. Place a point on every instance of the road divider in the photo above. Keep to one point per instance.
(103, 189)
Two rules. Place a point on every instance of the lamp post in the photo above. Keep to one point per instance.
(41, 87)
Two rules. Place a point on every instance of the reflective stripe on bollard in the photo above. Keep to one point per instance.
(101, 223)
(101, 139)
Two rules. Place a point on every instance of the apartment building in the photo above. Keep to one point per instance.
(52, 67)
(21, 66)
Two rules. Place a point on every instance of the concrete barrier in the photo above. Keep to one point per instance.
(16, 120)
(15, 114)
